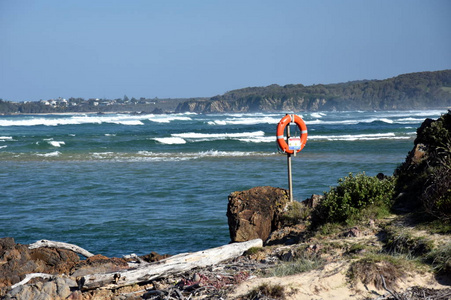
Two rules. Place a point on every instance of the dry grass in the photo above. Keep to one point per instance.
(379, 270)
(267, 291)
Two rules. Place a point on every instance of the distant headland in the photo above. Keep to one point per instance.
(422, 90)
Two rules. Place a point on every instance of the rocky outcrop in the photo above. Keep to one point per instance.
(255, 213)
(424, 179)
(17, 260)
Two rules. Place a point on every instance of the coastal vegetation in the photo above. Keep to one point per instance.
(387, 228)
(422, 90)
(356, 198)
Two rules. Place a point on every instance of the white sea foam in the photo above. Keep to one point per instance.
(357, 121)
(245, 121)
(215, 136)
(128, 122)
(385, 120)
(340, 122)
(168, 118)
(170, 140)
(103, 155)
(215, 153)
(50, 154)
(56, 143)
(317, 115)
(409, 120)
(6, 138)
(178, 156)
(259, 139)
(74, 120)
(360, 137)
(413, 113)
(2, 147)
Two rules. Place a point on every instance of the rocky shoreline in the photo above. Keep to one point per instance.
(255, 274)
(276, 252)
(241, 277)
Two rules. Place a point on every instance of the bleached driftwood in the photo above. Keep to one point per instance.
(61, 245)
(174, 264)
(28, 277)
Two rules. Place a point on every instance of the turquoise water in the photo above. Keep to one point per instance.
(118, 184)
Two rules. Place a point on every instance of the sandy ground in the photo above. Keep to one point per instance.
(331, 283)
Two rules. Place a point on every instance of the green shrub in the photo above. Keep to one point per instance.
(355, 198)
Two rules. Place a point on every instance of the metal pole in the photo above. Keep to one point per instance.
(290, 181)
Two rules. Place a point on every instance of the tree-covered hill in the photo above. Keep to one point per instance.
(408, 91)
(423, 90)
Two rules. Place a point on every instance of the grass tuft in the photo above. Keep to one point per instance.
(299, 265)
(275, 291)
(440, 258)
(376, 269)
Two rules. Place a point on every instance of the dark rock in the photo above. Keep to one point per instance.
(157, 111)
(55, 289)
(16, 261)
(313, 201)
(381, 176)
(418, 154)
(353, 232)
(255, 213)
(153, 256)
(6, 243)
(98, 264)
(424, 179)
(287, 235)
(53, 260)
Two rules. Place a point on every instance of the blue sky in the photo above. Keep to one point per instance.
(202, 48)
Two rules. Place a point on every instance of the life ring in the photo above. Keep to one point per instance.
(281, 129)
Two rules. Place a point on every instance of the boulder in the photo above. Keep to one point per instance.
(255, 213)
(55, 289)
(15, 262)
(54, 261)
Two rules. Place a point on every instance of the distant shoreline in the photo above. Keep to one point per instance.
(445, 109)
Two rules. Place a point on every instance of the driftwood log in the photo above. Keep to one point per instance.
(146, 272)
(28, 277)
(174, 264)
(60, 245)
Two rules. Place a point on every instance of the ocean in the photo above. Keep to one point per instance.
(117, 184)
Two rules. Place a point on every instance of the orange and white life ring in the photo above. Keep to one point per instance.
(281, 129)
